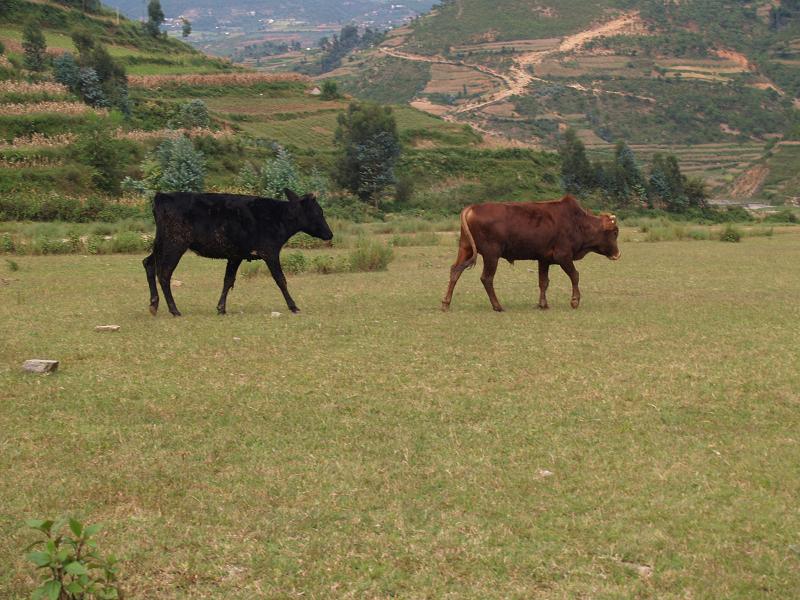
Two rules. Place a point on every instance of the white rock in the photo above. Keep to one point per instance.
(107, 328)
(276, 314)
(544, 473)
(176, 282)
(39, 365)
(237, 339)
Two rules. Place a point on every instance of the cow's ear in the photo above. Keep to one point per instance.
(291, 196)
(609, 222)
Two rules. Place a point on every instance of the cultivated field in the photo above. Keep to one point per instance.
(645, 445)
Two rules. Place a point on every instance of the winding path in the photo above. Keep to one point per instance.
(519, 76)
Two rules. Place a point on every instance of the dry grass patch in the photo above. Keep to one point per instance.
(451, 79)
(214, 79)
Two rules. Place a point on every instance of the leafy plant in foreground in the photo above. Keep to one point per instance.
(72, 567)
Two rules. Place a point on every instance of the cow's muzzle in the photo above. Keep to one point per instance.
(617, 256)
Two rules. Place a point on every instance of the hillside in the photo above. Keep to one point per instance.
(658, 75)
(44, 126)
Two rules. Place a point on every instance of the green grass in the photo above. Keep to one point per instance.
(377, 447)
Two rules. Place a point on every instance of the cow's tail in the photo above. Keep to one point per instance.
(470, 262)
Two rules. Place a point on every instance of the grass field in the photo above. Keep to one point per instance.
(645, 445)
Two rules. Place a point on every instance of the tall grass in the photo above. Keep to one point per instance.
(370, 255)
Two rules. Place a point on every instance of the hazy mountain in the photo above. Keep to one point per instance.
(239, 12)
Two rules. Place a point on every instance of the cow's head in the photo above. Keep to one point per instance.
(309, 215)
(607, 242)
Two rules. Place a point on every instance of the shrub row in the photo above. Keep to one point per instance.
(368, 255)
(126, 242)
(54, 207)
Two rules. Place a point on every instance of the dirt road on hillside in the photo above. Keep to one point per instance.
(519, 76)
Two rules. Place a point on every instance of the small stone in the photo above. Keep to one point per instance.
(177, 282)
(544, 473)
(237, 339)
(38, 365)
(107, 328)
(275, 314)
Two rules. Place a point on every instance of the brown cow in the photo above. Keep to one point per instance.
(558, 232)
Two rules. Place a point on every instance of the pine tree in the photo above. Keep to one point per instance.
(577, 175)
(182, 168)
(90, 88)
(186, 27)
(368, 148)
(35, 47)
(273, 177)
(155, 18)
(67, 72)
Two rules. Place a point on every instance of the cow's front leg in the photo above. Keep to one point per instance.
(230, 279)
(572, 272)
(544, 282)
(274, 265)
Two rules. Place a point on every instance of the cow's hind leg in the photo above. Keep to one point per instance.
(230, 279)
(544, 283)
(487, 278)
(150, 268)
(165, 266)
(274, 265)
(462, 263)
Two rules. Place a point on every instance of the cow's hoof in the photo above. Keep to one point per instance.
(544, 307)
(221, 311)
(499, 309)
(177, 313)
(153, 309)
(295, 310)
(445, 307)
(575, 303)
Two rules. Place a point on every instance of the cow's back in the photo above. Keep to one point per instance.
(212, 225)
(520, 230)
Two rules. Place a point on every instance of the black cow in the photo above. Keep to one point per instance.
(228, 226)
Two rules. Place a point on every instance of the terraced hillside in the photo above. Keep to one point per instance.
(140, 53)
(713, 75)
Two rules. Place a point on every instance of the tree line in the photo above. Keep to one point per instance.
(620, 181)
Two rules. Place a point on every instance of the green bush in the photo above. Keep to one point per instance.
(294, 263)
(306, 242)
(127, 242)
(95, 244)
(97, 148)
(7, 245)
(370, 255)
(47, 245)
(783, 216)
(55, 207)
(326, 264)
(730, 234)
